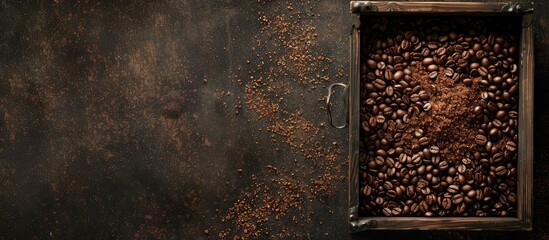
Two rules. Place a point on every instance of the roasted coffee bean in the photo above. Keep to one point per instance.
(452, 171)
(497, 123)
(466, 188)
(435, 159)
(424, 96)
(457, 199)
(427, 107)
(398, 75)
(371, 64)
(390, 162)
(388, 185)
(414, 208)
(498, 157)
(446, 203)
(497, 80)
(501, 171)
(391, 194)
(400, 191)
(396, 211)
(480, 139)
(367, 190)
(479, 194)
(471, 194)
(465, 56)
(405, 45)
(379, 84)
(430, 199)
(427, 61)
(389, 91)
(388, 75)
(421, 170)
(448, 72)
(379, 160)
(511, 146)
(441, 51)
(514, 68)
(478, 177)
(410, 191)
(387, 212)
(434, 149)
(391, 171)
(380, 119)
(433, 74)
(480, 54)
(453, 189)
(512, 198)
(416, 159)
(443, 166)
(382, 153)
(452, 36)
(424, 141)
(365, 126)
(500, 114)
(422, 183)
(379, 201)
(423, 206)
(432, 68)
(494, 133)
(381, 65)
(483, 71)
(461, 208)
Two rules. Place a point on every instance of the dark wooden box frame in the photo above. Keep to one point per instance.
(523, 221)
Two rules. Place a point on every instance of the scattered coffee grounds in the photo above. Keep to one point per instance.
(439, 103)
(286, 66)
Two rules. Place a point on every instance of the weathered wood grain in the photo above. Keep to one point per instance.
(437, 223)
(354, 116)
(526, 123)
(430, 7)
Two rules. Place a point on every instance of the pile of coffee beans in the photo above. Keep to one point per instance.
(439, 104)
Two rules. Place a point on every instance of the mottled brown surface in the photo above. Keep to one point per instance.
(186, 120)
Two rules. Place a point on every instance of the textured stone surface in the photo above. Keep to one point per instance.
(187, 120)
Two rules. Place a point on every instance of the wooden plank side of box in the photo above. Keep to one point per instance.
(431, 7)
(438, 223)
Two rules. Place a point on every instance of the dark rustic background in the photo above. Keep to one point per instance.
(189, 120)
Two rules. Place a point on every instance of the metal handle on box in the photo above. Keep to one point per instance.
(328, 105)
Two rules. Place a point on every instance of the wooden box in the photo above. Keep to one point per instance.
(523, 219)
